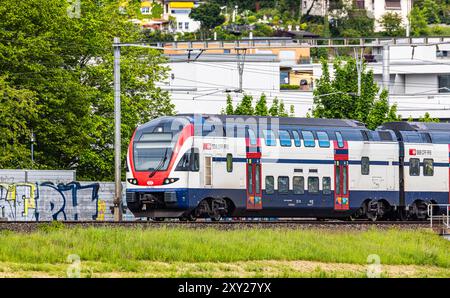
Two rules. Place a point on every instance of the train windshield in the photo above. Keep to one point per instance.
(153, 152)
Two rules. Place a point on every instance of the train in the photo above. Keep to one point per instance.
(191, 166)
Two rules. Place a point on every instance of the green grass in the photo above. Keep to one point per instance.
(210, 252)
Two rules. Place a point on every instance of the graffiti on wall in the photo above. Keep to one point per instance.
(49, 201)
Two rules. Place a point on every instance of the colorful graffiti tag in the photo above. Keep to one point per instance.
(47, 201)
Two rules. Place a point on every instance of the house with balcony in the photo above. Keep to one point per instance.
(375, 8)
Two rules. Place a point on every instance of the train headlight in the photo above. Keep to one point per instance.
(170, 180)
(132, 181)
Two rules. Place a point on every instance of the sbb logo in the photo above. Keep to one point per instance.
(412, 152)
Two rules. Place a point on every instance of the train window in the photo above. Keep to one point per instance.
(283, 184)
(269, 136)
(428, 167)
(338, 179)
(344, 180)
(326, 185)
(298, 185)
(308, 139)
(189, 161)
(297, 141)
(365, 165)
(258, 178)
(251, 135)
(324, 140)
(250, 179)
(313, 185)
(229, 162)
(340, 140)
(414, 167)
(270, 182)
(285, 138)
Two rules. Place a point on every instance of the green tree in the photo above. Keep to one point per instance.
(418, 21)
(245, 106)
(208, 14)
(292, 111)
(282, 110)
(261, 106)
(229, 110)
(337, 97)
(66, 60)
(392, 24)
(274, 109)
(431, 11)
(17, 110)
(428, 118)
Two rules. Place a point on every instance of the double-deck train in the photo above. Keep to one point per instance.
(212, 166)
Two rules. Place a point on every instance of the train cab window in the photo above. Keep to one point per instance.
(285, 138)
(344, 180)
(229, 162)
(190, 161)
(283, 184)
(414, 167)
(308, 139)
(324, 140)
(269, 136)
(297, 141)
(340, 140)
(257, 178)
(270, 182)
(326, 185)
(251, 135)
(365, 165)
(298, 185)
(428, 167)
(313, 185)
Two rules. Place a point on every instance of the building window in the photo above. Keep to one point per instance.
(308, 139)
(297, 141)
(365, 165)
(284, 77)
(444, 83)
(269, 136)
(414, 167)
(186, 25)
(270, 185)
(229, 162)
(393, 4)
(359, 4)
(442, 54)
(285, 138)
(180, 25)
(428, 168)
(313, 185)
(226, 51)
(145, 10)
(283, 184)
(326, 185)
(324, 141)
(298, 185)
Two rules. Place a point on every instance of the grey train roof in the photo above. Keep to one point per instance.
(416, 126)
(320, 122)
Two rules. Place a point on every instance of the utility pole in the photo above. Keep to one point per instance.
(117, 137)
(408, 23)
(386, 75)
(240, 64)
(359, 61)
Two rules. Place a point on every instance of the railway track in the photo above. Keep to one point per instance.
(22, 226)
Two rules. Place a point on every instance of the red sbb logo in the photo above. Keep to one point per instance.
(206, 146)
(412, 152)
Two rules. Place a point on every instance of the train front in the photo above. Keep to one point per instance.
(156, 183)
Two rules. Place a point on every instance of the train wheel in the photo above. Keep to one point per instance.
(183, 218)
(191, 217)
(216, 216)
(158, 218)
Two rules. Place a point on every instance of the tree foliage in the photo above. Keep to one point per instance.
(245, 107)
(208, 14)
(336, 97)
(66, 61)
(392, 24)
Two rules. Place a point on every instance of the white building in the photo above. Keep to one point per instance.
(375, 8)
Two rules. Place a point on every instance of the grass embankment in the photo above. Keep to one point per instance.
(172, 252)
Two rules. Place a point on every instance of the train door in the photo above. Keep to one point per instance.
(341, 192)
(253, 171)
(341, 188)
